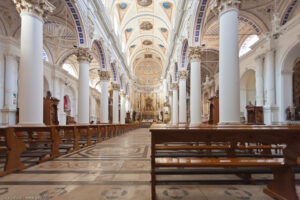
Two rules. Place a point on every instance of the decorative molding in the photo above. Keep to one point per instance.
(175, 86)
(195, 53)
(220, 6)
(182, 74)
(104, 75)
(115, 86)
(83, 54)
(41, 8)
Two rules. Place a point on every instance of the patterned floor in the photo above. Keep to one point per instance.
(117, 169)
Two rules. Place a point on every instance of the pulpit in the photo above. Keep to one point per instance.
(50, 110)
(255, 115)
(214, 110)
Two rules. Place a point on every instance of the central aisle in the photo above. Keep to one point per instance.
(116, 169)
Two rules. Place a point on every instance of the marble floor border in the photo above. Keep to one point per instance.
(83, 172)
(75, 183)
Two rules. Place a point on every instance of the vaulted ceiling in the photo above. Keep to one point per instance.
(144, 28)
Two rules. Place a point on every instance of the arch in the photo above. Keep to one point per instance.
(3, 30)
(198, 20)
(246, 46)
(71, 93)
(288, 12)
(77, 21)
(143, 15)
(114, 72)
(287, 65)
(184, 53)
(247, 90)
(101, 53)
(46, 86)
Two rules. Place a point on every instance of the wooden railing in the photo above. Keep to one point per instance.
(275, 148)
(39, 144)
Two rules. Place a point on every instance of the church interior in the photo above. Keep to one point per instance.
(150, 99)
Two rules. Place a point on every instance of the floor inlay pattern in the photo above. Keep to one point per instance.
(116, 169)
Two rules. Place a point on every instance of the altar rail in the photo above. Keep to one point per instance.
(276, 148)
(23, 146)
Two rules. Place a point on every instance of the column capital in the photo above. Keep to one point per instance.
(122, 93)
(170, 93)
(104, 75)
(41, 8)
(195, 53)
(175, 86)
(83, 54)
(183, 74)
(220, 6)
(115, 86)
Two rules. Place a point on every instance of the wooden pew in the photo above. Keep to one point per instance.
(283, 185)
(11, 147)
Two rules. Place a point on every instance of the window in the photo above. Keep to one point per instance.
(252, 39)
(69, 68)
(45, 57)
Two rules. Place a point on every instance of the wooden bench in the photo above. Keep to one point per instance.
(286, 139)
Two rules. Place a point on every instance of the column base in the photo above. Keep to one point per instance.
(220, 124)
(62, 118)
(195, 125)
(271, 115)
(8, 116)
(30, 124)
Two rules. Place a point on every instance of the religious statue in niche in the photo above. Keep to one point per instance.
(144, 3)
(149, 106)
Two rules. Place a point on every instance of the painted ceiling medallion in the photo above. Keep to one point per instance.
(129, 30)
(163, 30)
(132, 46)
(144, 3)
(123, 6)
(147, 42)
(166, 5)
(146, 26)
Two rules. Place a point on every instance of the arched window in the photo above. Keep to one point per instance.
(252, 39)
(45, 57)
(69, 68)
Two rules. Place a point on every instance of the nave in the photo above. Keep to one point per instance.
(119, 168)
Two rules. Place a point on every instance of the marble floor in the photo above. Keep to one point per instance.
(115, 169)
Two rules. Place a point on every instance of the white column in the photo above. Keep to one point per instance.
(171, 106)
(116, 88)
(259, 82)
(122, 108)
(229, 75)
(195, 94)
(104, 78)
(175, 103)
(31, 62)
(182, 75)
(2, 78)
(270, 78)
(11, 87)
(84, 58)
(165, 87)
(270, 109)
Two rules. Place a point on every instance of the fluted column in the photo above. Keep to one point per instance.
(182, 75)
(116, 88)
(84, 58)
(171, 106)
(104, 79)
(259, 82)
(11, 87)
(31, 62)
(122, 108)
(175, 103)
(229, 75)
(195, 54)
(271, 110)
